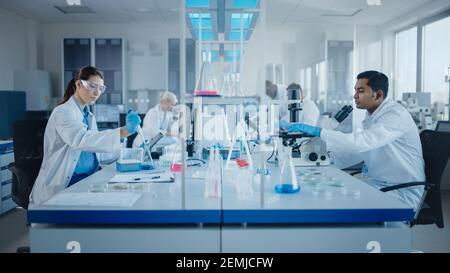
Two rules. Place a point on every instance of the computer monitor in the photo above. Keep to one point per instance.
(154, 140)
(107, 116)
(443, 126)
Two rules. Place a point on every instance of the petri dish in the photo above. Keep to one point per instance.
(336, 183)
(324, 178)
(315, 184)
(118, 187)
(139, 187)
(97, 188)
(351, 192)
(323, 193)
(302, 172)
(304, 178)
(313, 181)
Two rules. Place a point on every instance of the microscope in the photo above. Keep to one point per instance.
(307, 150)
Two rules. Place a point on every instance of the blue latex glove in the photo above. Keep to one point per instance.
(303, 128)
(132, 122)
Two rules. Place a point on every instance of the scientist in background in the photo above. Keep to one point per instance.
(73, 146)
(310, 113)
(160, 119)
(277, 92)
(388, 143)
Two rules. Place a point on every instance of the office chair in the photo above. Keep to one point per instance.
(28, 139)
(436, 153)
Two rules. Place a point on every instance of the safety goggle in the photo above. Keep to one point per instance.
(91, 86)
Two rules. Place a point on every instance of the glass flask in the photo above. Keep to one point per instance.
(226, 89)
(236, 86)
(207, 82)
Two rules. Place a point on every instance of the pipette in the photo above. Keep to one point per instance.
(139, 131)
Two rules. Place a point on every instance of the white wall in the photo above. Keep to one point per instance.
(18, 46)
(136, 35)
(368, 56)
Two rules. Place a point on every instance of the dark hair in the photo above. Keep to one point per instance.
(294, 86)
(376, 80)
(268, 84)
(84, 74)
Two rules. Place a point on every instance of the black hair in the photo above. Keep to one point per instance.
(84, 74)
(376, 80)
(294, 86)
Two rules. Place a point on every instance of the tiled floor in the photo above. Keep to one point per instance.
(13, 230)
(429, 238)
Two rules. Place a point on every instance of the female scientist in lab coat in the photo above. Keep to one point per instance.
(72, 143)
(159, 119)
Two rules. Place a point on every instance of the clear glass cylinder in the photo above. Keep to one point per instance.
(244, 185)
(213, 178)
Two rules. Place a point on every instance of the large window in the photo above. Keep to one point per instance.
(406, 62)
(436, 61)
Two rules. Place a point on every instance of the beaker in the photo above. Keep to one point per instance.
(244, 181)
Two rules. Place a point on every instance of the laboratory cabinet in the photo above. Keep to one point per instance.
(6, 157)
(106, 55)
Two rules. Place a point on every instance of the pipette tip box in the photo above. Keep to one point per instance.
(128, 165)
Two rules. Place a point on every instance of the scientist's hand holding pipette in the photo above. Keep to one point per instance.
(133, 121)
(144, 143)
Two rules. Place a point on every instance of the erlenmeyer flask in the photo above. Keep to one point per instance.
(285, 175)
(206, 83)
(287, 179)
(236, 85)
(226, 90)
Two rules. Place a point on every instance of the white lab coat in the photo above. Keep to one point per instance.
(156, 121)
(390, 147)
(282, 97)
(310, 113)
(66, 136)
(280, 104)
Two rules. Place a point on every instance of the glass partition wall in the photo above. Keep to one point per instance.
(242, 49)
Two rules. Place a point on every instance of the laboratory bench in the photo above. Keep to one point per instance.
(333, 212)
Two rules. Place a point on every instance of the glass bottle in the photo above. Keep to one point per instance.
(213, 178)
(244, 185)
